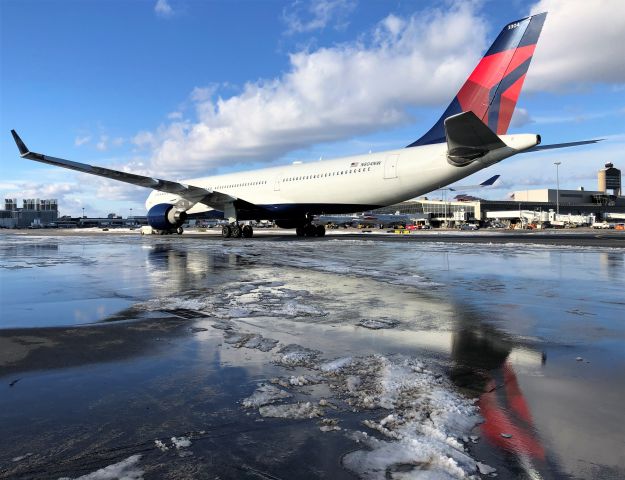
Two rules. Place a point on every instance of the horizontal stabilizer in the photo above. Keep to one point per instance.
(485, 183)
(552, 146)
(468, 138)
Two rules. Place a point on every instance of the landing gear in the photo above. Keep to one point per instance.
(310, 230)
(247, 231)
(237, 231)
(179, 230)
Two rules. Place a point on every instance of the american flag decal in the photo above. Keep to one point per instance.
(354, 164)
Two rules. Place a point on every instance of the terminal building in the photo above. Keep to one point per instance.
(33, 213)
(525, 206)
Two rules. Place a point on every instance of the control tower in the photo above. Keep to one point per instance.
(610, 179)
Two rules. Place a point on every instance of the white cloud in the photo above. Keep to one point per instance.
(328, 94)
(582, 43)
(79, 141)
(102, 145)
(520, 118)
(163, 9)
(304, 17)
(144, 139)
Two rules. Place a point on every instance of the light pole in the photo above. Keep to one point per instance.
(83, 212)
(557, 164)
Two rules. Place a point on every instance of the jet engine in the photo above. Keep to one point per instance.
(165, 217)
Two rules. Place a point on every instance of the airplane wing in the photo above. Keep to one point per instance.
(562, 145)
(189, 192)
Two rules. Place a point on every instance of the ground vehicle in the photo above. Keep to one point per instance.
(620, 226)
(603, 225)
(468, 226)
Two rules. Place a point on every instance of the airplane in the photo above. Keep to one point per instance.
(468, 137)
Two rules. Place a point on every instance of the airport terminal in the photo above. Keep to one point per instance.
(553, 205)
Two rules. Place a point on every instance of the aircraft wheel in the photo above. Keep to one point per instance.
(310, 230)
(226, 231)
(300, 231)
(179, 230)
(320, 230)
(247, 231)
(236, 231)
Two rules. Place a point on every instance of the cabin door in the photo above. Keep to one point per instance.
(276, 186)
(390, 166)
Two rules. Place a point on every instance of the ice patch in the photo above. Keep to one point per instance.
(408, 458)
(180, 442)
(378, 324)
(261, 343)
(336, 365)
(426, 418)
(249, 340)
(329, 425)
(161, 446)
(264, 395)
(124, 470)
(293, 411)
(295, 355)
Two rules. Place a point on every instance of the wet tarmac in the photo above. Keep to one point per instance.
(343, 357)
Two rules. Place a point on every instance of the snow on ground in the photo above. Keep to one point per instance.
(292, 411)
(296, 356)
(378, 323)
(181, 442)
(415, 420)
(125, 470)
(336, 365)
(241, 300)
(264, 395)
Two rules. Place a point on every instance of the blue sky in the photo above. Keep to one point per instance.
(181, 88)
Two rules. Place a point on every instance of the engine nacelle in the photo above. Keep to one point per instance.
(165, 217)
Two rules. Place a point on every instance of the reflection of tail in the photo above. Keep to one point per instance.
(492, 90)
(509, 415)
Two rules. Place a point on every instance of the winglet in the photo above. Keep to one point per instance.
(20, 144)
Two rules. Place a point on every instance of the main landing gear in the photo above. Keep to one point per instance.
(237, 231)
(310, 230)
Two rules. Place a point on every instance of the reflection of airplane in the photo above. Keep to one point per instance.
(487, 362)
(469, 136)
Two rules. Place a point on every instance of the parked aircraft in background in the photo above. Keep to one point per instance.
(391, 219)
(469, 136)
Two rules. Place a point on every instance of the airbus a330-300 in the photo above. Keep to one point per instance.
(468, 137)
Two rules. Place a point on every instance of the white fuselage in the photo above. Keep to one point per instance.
(344, 184)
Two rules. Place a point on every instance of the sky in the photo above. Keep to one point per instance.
(185, 88)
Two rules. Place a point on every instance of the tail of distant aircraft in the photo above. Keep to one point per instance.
(492, 90)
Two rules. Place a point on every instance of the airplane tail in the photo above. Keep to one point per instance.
(492, 90)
